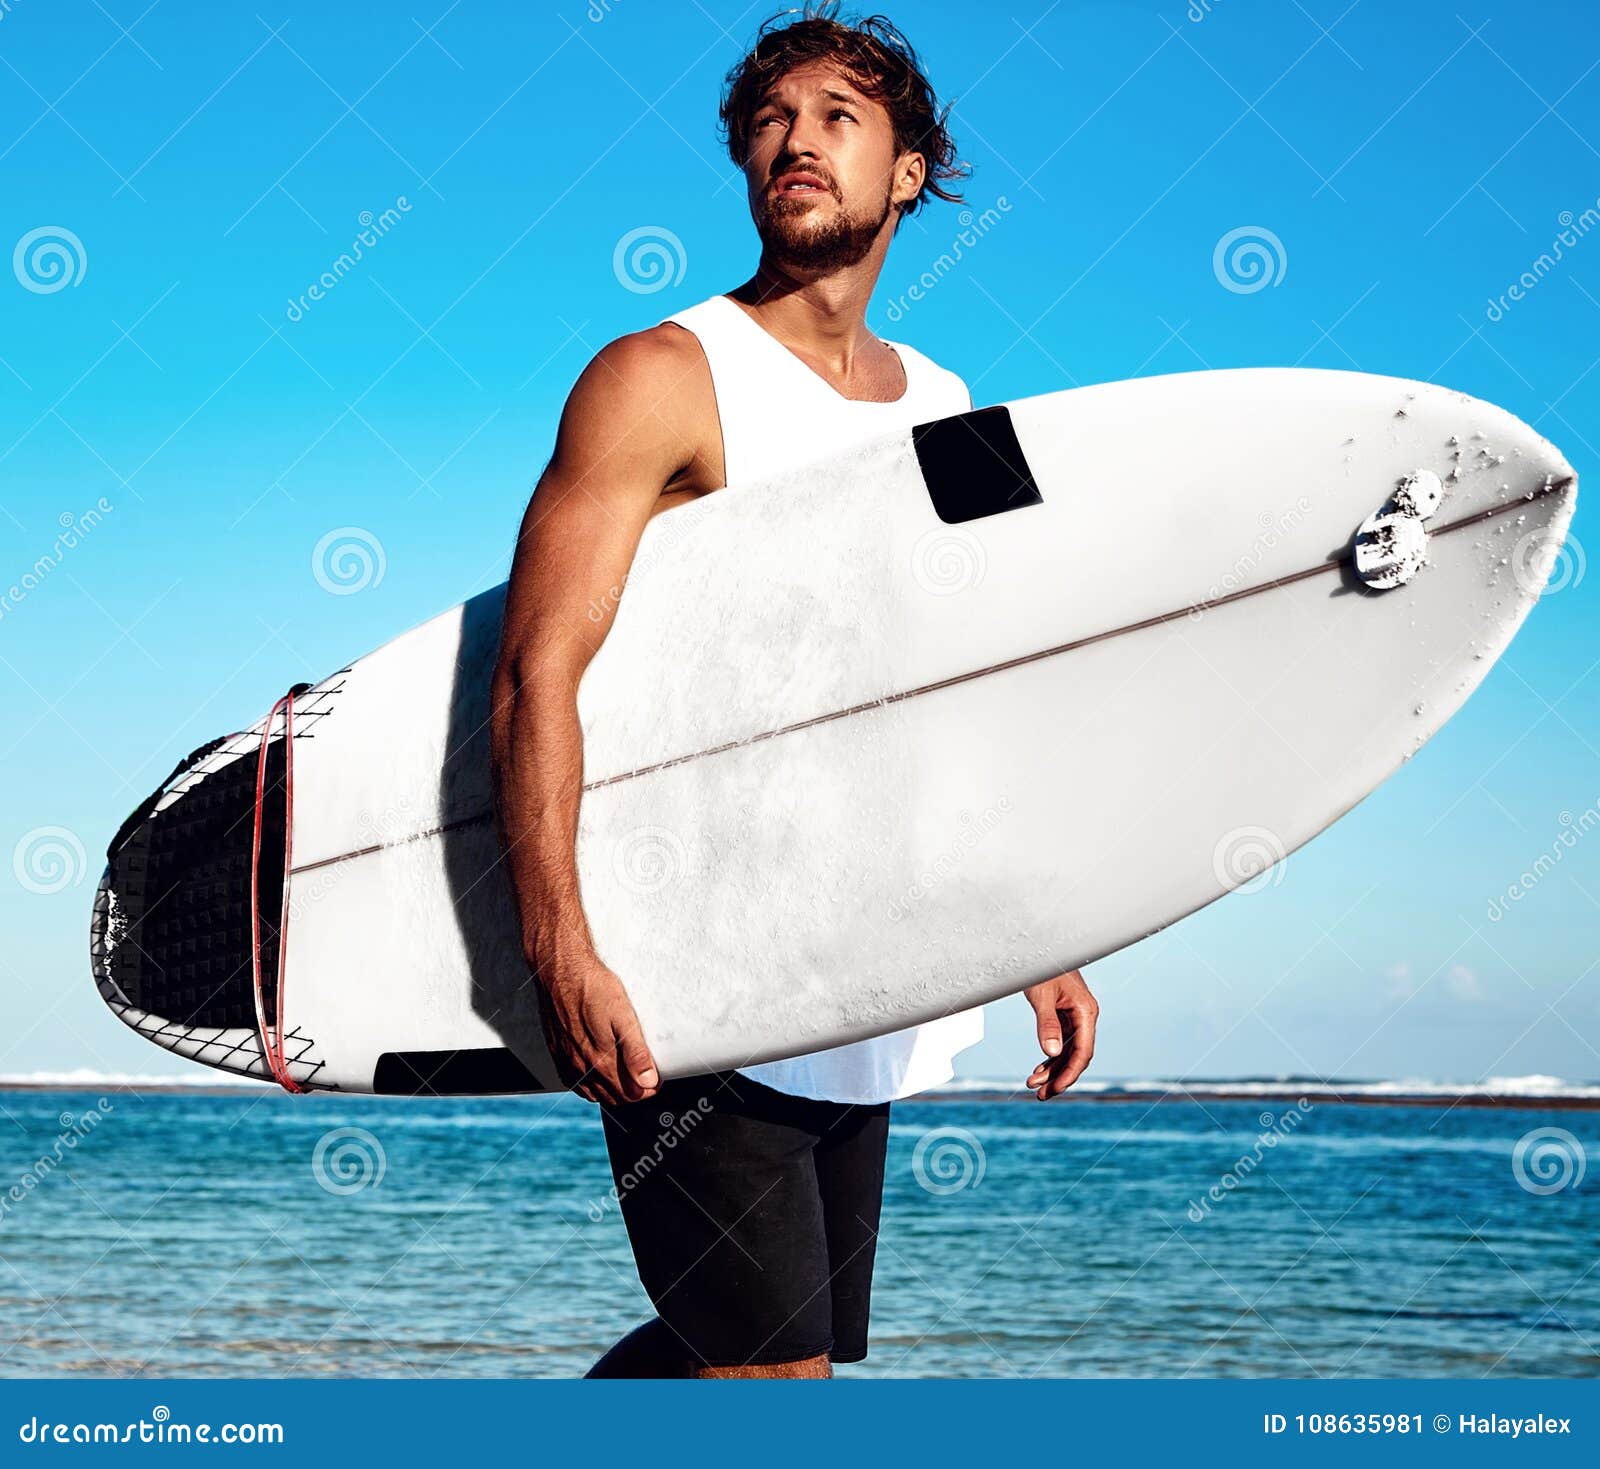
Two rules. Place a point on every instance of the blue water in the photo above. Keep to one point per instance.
(203, 1235)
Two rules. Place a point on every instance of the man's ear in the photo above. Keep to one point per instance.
(910, 170)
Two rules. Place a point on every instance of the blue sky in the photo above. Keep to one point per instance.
(207, 164)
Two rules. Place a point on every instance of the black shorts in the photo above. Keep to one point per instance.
(753, 1216)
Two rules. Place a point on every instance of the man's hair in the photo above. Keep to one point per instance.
(879, 62)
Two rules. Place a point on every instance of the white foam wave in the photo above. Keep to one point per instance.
(86, 1079)
(1537, 1086)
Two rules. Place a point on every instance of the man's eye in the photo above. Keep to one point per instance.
(840, 112)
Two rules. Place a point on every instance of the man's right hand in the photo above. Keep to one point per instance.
(593, 1032)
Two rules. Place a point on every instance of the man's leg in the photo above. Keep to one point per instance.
(810, 1367)
(849, 1159)
(650, 1350)
(719, 1194)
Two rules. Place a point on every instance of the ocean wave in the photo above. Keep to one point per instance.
(88, 1080)
(1534, 1087)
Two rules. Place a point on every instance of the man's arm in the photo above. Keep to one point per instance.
(616, 450)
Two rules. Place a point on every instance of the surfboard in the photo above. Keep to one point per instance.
(891, 735)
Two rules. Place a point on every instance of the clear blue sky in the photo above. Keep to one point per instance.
(211, 162)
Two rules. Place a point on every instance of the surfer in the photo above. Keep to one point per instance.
(753, 1207)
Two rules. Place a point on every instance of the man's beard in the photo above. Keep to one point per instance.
(792, 240)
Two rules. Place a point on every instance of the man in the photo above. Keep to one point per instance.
(755, 1230)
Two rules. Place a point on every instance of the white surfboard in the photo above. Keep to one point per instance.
(882, 739)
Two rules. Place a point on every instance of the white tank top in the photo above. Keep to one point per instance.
(762, 390)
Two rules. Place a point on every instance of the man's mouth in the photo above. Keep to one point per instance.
(799, 183)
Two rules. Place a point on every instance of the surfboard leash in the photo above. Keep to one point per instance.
(271, 1033)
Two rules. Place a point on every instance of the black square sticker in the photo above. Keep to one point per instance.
(973, 465)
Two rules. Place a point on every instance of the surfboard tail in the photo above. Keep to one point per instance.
(176, 918)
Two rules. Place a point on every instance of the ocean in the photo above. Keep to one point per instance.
(1234, 1229)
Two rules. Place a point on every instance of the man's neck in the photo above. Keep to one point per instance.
(825, 318)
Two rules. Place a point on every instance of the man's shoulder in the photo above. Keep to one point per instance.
(659, 371)
(663, 351)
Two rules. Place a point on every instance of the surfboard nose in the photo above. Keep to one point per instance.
(1506, 454)
(1541, 555)
(1508, 493)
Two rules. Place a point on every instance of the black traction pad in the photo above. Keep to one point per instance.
(180, 877)
(974, 466)
(488, 1071)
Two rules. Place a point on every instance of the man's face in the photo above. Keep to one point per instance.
(822, 171)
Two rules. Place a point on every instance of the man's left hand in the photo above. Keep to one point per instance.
(1066, 1014)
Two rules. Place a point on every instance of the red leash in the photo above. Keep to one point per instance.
(272, 1035)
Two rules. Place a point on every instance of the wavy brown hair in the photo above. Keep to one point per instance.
(880, 63)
